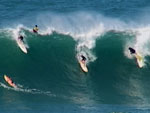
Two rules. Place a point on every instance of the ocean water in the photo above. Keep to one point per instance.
(49, 77)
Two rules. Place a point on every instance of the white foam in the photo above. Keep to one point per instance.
(16, 32)
(20, 88)
(82, 26)
(141, 42)
(86, 27)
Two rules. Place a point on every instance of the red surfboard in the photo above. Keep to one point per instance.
(9, 81)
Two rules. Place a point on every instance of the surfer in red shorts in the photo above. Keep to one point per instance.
(35, 29)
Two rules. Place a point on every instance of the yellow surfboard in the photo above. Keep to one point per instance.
(83, 66)
(140, 60)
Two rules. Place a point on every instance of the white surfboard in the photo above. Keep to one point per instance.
(83, 66)
(21, 45)
(139, 60)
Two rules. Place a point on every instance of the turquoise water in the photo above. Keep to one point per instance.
(49, 77)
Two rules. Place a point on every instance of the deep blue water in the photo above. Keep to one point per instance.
(49, 77)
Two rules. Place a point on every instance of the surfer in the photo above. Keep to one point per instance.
(82, 63)
(20, 42)
(83, 58)
(138, 57)
(9, 81)
(20, 37)
(35, 29)
(132, 51)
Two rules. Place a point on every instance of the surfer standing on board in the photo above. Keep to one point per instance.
(20, 37)
(138, 57)
(35, 29)
(83, 58)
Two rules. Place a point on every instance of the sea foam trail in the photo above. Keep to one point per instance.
(20, 88)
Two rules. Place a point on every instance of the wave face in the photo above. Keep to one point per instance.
(49, 77)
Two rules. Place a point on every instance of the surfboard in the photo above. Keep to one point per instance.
(9, 81)
(21, 45)
(83, 66)
(140, 60)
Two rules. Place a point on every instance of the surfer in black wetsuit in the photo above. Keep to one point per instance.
(20, 37)
(132, 51)
(83, 58)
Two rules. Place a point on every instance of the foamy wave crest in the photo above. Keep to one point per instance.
(84, 27)
(140, 42)
(17, 31)
(143, 40)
